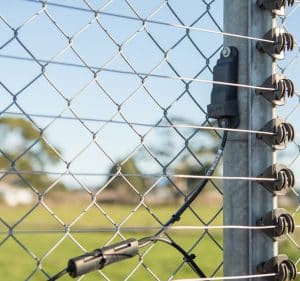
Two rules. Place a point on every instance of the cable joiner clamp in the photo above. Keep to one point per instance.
(275, 42)
(283, 268)
(102, 257)
(281, 219)
(277, 7)
(284, 179)
(282, 87)
(282, 133)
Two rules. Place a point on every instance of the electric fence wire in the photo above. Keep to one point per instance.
(137, 229)
(241, 277)
(186, 79)
(163, 175)
(180, 78)
(119, 122)
(145, 20)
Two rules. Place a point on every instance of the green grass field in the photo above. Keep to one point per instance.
(54, 249)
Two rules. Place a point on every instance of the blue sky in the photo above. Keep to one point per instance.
(88, 99)
(96, 48)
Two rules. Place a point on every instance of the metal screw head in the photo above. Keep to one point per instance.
(226, 52)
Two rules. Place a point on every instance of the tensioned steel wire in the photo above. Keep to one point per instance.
(17, 50)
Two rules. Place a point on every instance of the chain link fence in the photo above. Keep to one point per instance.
(105, 134)
(290, 156)
(92, 95)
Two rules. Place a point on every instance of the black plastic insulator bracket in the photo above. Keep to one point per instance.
(281, 134)
(282, 87)
(283, 268)
(276, 42)
(284, 179)
(277, 7)
(224, 102)
(281, 219)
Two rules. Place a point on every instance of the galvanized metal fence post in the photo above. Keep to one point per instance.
(245, 201)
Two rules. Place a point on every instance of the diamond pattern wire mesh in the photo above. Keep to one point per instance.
(90, 93)
(290, 111)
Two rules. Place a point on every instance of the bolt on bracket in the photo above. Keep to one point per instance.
(277, 7)
(281, 134)
(282, 87)
(224, 99)
(275, 42)
(284, 179)
(281, 219)
(283, 268)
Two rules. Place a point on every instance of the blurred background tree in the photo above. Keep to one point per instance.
(23, 149)
(193, 154)
(124, 179)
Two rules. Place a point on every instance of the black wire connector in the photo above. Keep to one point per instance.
(99, 258)
(102, 257)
